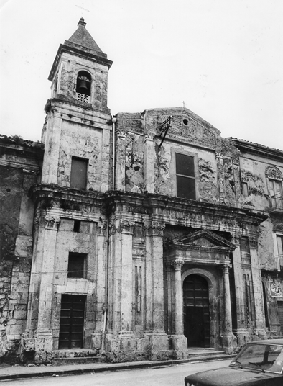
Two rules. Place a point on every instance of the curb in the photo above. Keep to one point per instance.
(109, 367)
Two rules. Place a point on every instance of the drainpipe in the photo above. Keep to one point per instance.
(105, 308)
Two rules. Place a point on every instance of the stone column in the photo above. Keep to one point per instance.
(178, 298)
(127, 277)
(179, 341)
(149, 163)
(100, 268)
(122, 286)
(46, 253)
(155, 288)
(257, 286)
(120, 160)
(227, 333)
(241, 331)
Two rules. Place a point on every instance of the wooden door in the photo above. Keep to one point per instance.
(196, 311)
(72, 321)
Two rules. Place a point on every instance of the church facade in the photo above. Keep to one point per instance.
(135, 236)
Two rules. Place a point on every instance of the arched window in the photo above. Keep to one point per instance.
(83, 86)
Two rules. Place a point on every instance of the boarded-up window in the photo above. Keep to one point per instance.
(185, 175)
(275, 193)
(245, 251)
(77, 265)
(79, 173)
(280, 249)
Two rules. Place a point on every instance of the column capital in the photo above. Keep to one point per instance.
(155, 228)
(51, 221)
(148, 137)
(177, 264)
(102, 227)
(121, 226)
(121, 134)
(253, 240)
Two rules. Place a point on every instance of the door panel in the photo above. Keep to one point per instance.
(196, 311)
(72, 321)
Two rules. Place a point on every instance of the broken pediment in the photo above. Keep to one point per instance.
(204, 239)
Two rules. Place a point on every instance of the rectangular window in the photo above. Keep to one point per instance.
(77, 226)
(77, 265)
(185, 175)
(245, 250)
(79, 173)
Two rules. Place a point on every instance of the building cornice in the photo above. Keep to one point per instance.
(259, 150)
(78, 52)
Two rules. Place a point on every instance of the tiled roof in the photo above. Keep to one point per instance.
(81, 37)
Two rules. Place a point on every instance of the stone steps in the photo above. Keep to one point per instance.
(83, 356)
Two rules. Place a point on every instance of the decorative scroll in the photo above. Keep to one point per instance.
(275, 289)
(272, 172)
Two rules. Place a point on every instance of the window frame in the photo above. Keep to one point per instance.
(86, 172)
(173, 168)
(78, 255)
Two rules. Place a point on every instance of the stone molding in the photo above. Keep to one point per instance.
(154, 228)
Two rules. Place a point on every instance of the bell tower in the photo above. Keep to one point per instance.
(77, 129)
(80, 70)
(69, 248)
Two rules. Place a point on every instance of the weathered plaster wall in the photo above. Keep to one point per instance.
(139, 162)
(253, 170)
(18, 172)
(80, 141)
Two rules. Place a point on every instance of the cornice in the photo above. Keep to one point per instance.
(71, 49)
(151, 203)
(153, 206)
(259, 150)
(53, 193)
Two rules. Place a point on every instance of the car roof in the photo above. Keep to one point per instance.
(269, 341)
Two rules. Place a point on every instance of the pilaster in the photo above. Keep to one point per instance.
(154, 277)
(120, 160)
(122, 234)
(241, 330)
(257, 286)
(228, 336)
(52, 148)
(149, 163)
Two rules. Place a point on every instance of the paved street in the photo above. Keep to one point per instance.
(165, 376)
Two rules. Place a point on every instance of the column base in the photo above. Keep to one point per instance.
(260, 333)
(243, 336)
(179, 345)
(229, 343)
(158, 345)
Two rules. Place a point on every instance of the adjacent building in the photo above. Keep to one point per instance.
(134, 236)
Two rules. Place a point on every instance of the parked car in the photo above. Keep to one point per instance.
(258, 363)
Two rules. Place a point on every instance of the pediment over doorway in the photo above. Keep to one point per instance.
(203, 239)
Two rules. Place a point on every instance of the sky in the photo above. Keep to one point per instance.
(223, 59)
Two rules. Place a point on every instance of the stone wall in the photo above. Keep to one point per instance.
(19, 167)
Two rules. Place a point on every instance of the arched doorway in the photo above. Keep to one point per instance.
(196, 311)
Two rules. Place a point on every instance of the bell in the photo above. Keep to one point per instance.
(83, 86)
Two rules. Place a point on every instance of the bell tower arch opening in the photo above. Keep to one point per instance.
(83, 86)
(196, 311)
